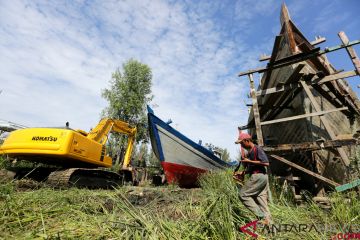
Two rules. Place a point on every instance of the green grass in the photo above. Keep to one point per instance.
(213, 212)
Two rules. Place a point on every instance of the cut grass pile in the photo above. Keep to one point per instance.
(213, 212)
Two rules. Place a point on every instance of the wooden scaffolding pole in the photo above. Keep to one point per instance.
(310, 146)
(318, 176)
(350, 50)
(298, 58)
(320, 80)
(256, 111)
(287, 119)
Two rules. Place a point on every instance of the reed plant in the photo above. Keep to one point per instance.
(213, 211)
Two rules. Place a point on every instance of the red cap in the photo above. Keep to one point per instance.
(242, 136)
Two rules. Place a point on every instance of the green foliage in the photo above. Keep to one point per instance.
(141, 155)
(3, 162)
(225, 155)
(128, 95)
(153, 160)
(222, 153)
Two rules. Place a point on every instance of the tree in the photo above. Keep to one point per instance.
(222, 153)
(225, 155)
(128, 95)
(141, 155)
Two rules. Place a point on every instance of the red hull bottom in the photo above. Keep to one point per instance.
(184, 176)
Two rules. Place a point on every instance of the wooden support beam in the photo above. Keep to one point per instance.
(275, 49)
(326, 124)
(333, 77)
(350, 50)
(288, 31)
(264, 58)
(285, 62)
(246, 127)
(318, 40)
(277, 89)
(321, 80)
(348, 186)
(281, 100)
(274, 106)
(311, 173)
(272, 59)
(326, 94)
(320, 113)
(284, 99)
(298, 58)
(317, 109)
(310, 146)
(256, 111)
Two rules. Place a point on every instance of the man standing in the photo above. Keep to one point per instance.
(254, 192)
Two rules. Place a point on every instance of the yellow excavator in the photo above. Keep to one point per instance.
(78, 158)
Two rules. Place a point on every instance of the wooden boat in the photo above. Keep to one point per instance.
(329, 95)
(182, 159)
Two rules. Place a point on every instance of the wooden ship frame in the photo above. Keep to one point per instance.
(304, 113)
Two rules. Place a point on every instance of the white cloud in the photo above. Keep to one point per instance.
(56, 57)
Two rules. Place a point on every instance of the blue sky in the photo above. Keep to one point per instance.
(57, 56)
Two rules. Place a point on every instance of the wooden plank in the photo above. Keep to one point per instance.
(272, 59)
(311, 146)
(268, 110)
(285, 19)
(334, 101)
(274, 106)
(298, 58)
(284, 15)
(285, 100)
(333, 77)
(350, 51)
(246, 127)
(311, 173)
(348, 186)
(277, 89)
(317, 109)
(264, 58)
(275, 49)
(256, 112)
(295, 76)
(326, 124)
(320, 113)
(318, 40)
(339, 95)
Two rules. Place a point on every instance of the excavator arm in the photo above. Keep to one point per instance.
(101, 132)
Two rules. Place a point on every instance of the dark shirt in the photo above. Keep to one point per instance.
(257, 154)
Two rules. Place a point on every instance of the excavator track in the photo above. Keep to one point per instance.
(60, 178)
(85, 178)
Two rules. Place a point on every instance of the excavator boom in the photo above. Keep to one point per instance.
(105, 126)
